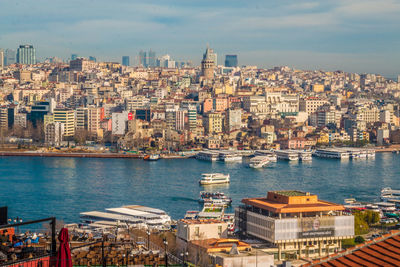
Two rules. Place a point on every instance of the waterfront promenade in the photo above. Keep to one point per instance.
(16, 152)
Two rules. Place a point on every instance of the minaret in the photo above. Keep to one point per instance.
(208, 64)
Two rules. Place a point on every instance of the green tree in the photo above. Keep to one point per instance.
(360, 224)
(359, 239)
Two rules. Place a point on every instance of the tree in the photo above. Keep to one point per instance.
(81, 136)
(359, 239)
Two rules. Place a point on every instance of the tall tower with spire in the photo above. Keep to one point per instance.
(208, 64)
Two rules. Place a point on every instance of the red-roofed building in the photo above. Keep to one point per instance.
(296, 224)
(382, 251)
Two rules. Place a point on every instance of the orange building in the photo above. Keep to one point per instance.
(297, 224)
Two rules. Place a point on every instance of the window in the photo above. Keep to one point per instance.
(220, 230)
(197, 231)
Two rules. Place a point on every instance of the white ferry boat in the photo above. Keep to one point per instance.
(258, 162)
(230, 157)
(388, 193)
(290, 155)
(386, 206)
(331, 153)
(207, 155)
(266, 153)
(305, 155)
(214, 178)
(371, 153)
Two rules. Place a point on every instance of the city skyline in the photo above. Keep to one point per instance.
(360, 36)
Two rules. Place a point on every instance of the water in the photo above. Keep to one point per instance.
(34, 187)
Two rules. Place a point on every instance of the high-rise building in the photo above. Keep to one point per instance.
(143, 59)
(53, 134)
(81, 119)
(26, 54)
(92, 58)
(9, 57)
(40, 109)
(166, 62)
(94, 118)
(208, 64)
(67, 117)
(192, 118)
(231, 61)
(152, 59)
(398, 78)
(74, 56)
(1, 58)
(125, 61)
(212, 122)
(81, 64)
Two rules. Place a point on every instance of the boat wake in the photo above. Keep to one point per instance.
(186, 199)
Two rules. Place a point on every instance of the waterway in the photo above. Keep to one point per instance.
(35, 187)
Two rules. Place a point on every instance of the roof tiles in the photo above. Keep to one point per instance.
(381, 252)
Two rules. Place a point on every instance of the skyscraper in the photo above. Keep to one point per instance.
(9, 57)
(1, 58)
(92, 58)
(152, 58)
(208, 64)
(231, 61)
(26, 54)
(125, 60)
(74, 56)
(143, 59)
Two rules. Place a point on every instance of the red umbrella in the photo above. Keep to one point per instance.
(64, 253)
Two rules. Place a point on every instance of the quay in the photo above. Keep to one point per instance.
(69, 155)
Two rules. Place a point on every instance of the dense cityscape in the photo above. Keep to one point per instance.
(164, 109)
(165, 105)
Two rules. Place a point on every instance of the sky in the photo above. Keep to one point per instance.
(350, 35)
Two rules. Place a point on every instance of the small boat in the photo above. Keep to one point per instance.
(258, 162)
(214, 178)
(152, 157)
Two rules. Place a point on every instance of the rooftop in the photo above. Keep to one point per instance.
(383, 251)
(221, 245)
(205, 221)
(292, 201)
(291, 193)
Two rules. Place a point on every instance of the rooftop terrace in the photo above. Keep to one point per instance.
(291, 193)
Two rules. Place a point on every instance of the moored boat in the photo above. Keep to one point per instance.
(217, 198)
(152, 157)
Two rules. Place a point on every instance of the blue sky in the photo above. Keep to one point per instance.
(352, 35)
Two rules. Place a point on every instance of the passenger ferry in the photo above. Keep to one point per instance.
(290, 155)
(305, 155)
(230, 157)
(269, 154)
(332, 153)
(207, 155)
(388, 194)
(214, 178)
(217, 198)
(258, 162)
